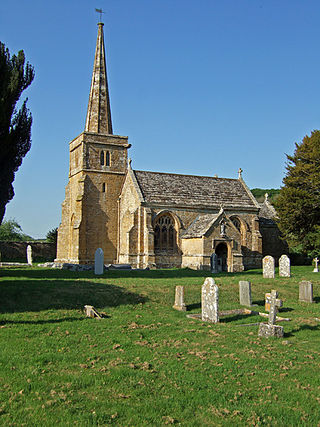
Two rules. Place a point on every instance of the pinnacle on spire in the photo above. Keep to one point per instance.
(99, 112)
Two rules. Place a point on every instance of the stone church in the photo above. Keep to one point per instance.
(152, 219)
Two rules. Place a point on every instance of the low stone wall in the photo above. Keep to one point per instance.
(17, 251)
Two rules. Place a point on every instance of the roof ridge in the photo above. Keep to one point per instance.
(182, 174)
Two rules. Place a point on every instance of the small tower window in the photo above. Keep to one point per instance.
(108, 158)
(104, 187)
(102, 158)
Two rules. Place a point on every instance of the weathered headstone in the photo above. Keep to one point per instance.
(214, 263)
(267, 301)
(284, 266)
(92, 312)
(179, 303)
(270, 329)
(316, 269)
(29, 255)
(268, 267)
(210, 301)
(305, 291)
(98, 261)
(245, 293)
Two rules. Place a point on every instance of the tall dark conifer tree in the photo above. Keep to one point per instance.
(15, 125)
(298, 204)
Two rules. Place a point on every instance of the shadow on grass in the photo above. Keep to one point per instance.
(49, 273)
(22, 296)
(193, 306)
(42, 322)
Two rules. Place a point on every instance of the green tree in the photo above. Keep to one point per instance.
(298, 204)
(15, 124)
(12, 231)
(52, 235)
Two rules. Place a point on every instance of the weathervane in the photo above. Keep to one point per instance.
(101, 12)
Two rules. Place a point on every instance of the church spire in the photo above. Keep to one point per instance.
(99, 111)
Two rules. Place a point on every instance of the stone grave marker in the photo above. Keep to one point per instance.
(268, 267)
(179, 303)
(214, 263)
(305, 291)
(284, 266)
(210, 301)
(270, 329)
(90, 311)
(29, 255)
(98, 261)
(267, 301)
(316, 269)
(245, 293)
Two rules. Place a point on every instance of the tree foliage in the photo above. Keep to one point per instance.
(259, 194)
(298, 204)
(15, 124)
(10, 230)
(52, 235)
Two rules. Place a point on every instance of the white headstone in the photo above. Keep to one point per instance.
(98, 261)
(268, 267)
(284, 266)
(29, 255)
(179, 303)
(210, 301)
(316, 268)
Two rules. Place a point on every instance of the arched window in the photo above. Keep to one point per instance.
(164, 234)
(102, 158)
(103, 187)
(236, 223)
(108, 158)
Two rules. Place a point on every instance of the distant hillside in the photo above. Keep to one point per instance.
(260, 192)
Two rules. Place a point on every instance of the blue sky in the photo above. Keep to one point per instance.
(200, 87)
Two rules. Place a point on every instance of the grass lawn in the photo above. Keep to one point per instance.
(147, 364)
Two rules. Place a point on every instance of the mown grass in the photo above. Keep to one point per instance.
(147, 364)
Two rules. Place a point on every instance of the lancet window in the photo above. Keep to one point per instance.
(105, 158)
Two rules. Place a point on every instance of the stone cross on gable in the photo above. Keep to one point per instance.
(275, 303)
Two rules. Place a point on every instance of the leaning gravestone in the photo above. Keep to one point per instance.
(210, 301)
(305, 291)
(29, 255)
(284, 266)
(98, 261)
(179, 303)
(245, 293)
(268, 267)
(270, 329)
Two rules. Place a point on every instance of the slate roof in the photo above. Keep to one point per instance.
(200, 225)
(192, 191)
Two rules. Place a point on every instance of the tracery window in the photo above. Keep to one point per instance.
(164, 234)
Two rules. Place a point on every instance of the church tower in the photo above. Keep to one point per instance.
(98, 164)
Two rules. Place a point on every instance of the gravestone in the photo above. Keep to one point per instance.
(267, 301)
(245, 293)
(98, 261)
(214, 263)
(284, 266)
(270, 329)
(90, 311)
(316, 269)
(305, 291)
(210, 301)
(268, 267)
(29, 255)
(179, 299)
